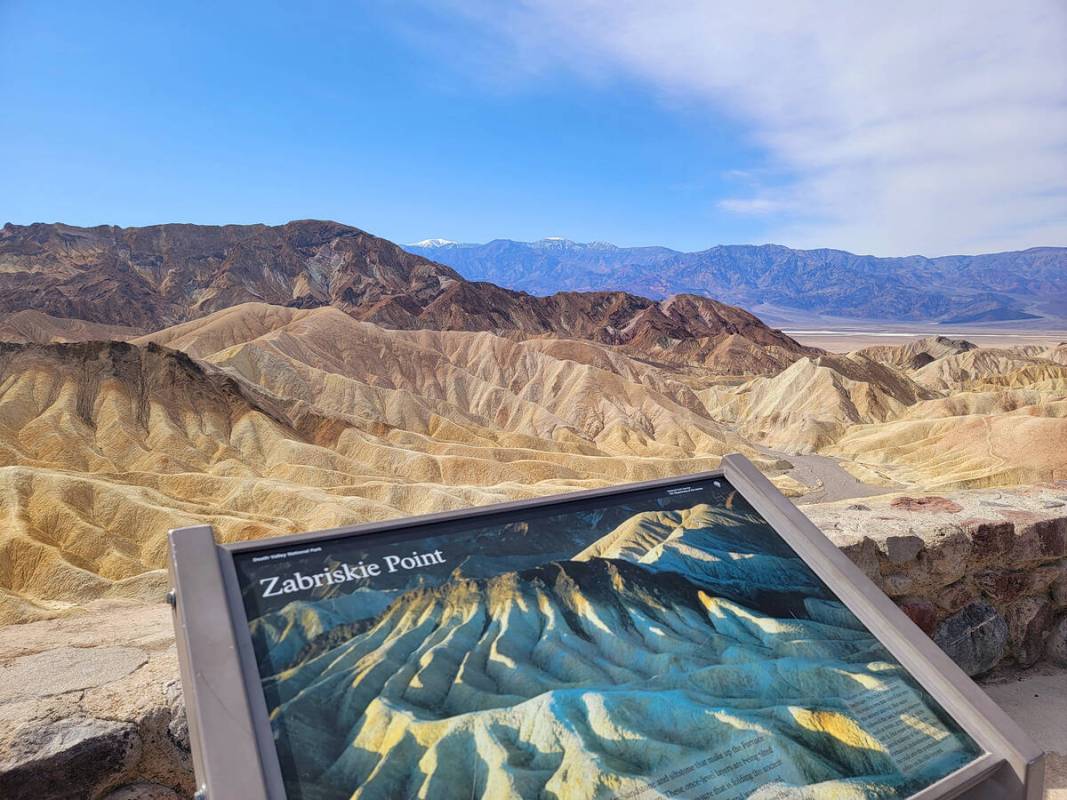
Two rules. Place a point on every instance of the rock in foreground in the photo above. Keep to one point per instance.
(90, 707)
(984, 572)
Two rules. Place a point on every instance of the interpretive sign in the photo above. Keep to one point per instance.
(694, 638)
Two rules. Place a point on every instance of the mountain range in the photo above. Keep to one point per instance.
(779, 282)
(144, 278)
(268, 380)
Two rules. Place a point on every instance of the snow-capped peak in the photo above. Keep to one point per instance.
(553, 242)
(433, 243)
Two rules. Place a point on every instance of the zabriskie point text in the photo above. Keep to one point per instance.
(342, 573)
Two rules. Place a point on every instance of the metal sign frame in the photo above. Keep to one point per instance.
(229, 730)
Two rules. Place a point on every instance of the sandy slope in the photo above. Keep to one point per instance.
(298, 420)
(936, 413)
(263, 419)
(31, 326)
(561, 390)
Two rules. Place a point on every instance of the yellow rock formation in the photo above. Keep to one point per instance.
(260, 419)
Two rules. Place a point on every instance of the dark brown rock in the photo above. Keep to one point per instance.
(1029, 622)
(1001, 586)
(955, 596)
(1041, 581)
(931, 503)
(922, 612)
(1052, 533)
(1043, 540)
(991, 538)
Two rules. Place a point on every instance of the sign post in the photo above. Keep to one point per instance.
(693, 637)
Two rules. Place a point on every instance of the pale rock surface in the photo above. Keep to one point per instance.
(90, 706)
(938, 414)
(67, 669)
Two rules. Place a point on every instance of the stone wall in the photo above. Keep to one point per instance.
(984, 573)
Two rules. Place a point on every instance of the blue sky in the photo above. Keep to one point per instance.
(462, 121)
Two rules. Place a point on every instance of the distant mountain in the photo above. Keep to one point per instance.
(433, 243)
(951, 289)
(146, 278)
(151, 277)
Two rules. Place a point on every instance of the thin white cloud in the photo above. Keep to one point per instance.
(755, 206)
(901, 127)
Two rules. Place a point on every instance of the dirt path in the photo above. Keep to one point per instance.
(826, 480)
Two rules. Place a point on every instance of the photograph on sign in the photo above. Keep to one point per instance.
(663, 643)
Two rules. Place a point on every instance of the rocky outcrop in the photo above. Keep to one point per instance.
(90, 707)
(52, 760)
(983, 572)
